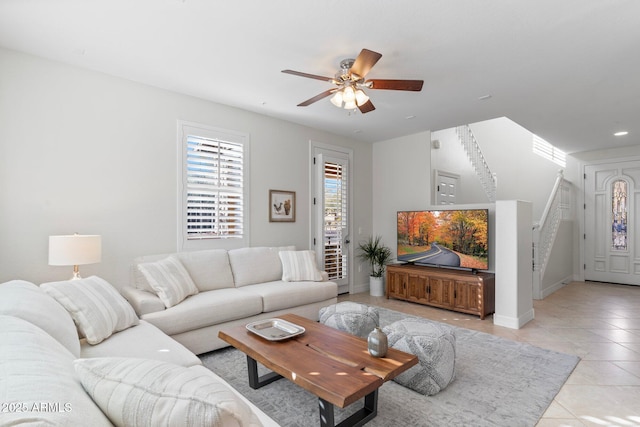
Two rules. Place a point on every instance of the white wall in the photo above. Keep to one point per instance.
(559, 270)
(401, 181)
(84, 152)
(514, 280)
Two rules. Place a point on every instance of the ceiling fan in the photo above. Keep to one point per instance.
(350, 82)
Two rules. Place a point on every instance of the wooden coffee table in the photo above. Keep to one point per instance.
(333, 365)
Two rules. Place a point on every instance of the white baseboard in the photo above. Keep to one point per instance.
(556, 286)
(362, 287)
(513, 322)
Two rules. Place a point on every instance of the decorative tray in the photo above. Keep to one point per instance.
(275, 329)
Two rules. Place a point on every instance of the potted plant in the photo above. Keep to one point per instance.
(377, 254)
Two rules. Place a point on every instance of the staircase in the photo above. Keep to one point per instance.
(544, 232)
(471, 147)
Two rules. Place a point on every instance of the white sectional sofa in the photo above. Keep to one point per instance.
(76, 353)
(134, 375)
(233, 287)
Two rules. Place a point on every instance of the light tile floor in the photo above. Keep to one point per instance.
(598, 322)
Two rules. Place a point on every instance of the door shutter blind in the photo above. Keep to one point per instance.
(214, 188)
(335, 220)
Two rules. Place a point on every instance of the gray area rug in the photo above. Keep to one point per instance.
(498, 382)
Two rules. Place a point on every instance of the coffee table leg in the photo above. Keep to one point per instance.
(256, 381)
(360, 418)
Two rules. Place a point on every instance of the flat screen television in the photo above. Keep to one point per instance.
(456, 238)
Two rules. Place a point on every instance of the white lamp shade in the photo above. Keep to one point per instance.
(361, 97)
(336, 99)
(348, 94)
(350, 105)
(76, 249)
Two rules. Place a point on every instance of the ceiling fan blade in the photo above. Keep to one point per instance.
(366, 107)
(316, 98)
(311, 76)
(413, 85)
(365, 62)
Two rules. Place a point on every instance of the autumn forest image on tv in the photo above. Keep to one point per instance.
(451, 238)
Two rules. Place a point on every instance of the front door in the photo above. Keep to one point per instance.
(612, 222)
(331, 237)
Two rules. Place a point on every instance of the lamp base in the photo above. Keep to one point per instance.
(76, 273)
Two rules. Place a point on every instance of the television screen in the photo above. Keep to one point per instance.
(448, 238)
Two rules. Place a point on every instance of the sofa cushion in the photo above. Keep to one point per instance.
(209, 269)
(169, 280)
(205, 309)
(144, 341)
(256, 265)
(38, 378)
(279, 295)
(143, 302)
(299, 266)
(143, 392)
(41, 310)
(95, 306)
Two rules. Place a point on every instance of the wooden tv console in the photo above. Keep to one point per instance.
(456, 290)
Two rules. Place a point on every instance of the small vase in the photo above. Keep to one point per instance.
(377, 343)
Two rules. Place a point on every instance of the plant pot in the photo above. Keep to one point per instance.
(376, 286)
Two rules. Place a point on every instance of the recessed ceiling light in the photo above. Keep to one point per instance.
(484, 97)
(410, 117)
(621, 133)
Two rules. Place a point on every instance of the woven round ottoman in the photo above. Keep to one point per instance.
(356, 319)
(435, 345)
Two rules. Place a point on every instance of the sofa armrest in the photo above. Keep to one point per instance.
(143, 302)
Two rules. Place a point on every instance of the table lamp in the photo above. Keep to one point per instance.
(76, 249)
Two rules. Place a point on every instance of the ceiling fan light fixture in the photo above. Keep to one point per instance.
(336, 99)
(348, 94)
(361, 97)
(350, 105)
(350, 81)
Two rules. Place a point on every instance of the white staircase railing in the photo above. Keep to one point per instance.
(544, 232)
(471, 147)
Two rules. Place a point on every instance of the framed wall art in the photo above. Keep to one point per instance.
(282, 206)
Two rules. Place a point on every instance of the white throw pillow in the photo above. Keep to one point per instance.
(169, 279)
(299, 266)
(145, 392)
(96, 307)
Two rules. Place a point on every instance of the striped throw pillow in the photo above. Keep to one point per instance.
(96, 307)
(298, 266)
(169, 279)
(145, 392)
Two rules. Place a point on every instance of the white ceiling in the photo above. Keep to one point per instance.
(567, 70)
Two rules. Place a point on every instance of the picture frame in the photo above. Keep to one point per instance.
(282, 206)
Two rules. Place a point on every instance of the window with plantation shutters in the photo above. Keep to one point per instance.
(213, 193)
